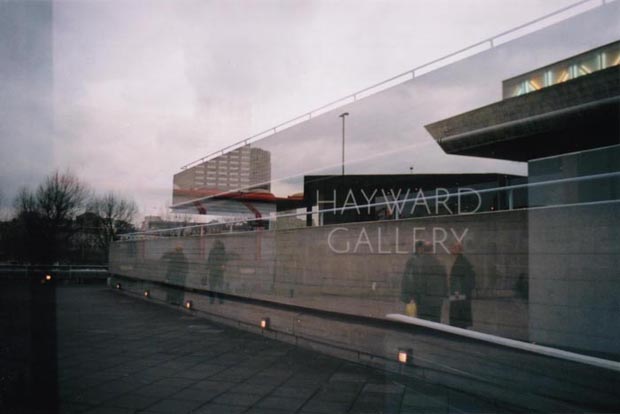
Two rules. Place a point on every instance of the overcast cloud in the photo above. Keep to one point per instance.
(125, 92)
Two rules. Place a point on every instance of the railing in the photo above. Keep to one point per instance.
(65, 272)
(483, 45)
(242, 223)
(510, 343)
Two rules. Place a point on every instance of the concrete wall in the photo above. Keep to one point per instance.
(542, 275)
(574, 282)
(312, 267)
(575, 252)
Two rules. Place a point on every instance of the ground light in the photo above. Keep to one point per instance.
(264, 323)
(147, 293)
(405, 356)
(118, 286)
(188, 304)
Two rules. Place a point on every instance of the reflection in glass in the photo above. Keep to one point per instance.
(176, 272)
(423, 287)
(419, 224)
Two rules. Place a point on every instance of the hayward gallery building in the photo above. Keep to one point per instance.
(505, 158)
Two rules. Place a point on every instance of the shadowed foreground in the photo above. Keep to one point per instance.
(118, 354)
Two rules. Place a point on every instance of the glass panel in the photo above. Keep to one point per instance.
(474, 251)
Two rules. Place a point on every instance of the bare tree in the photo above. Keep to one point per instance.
(61, 197)
(4, 210)
(115, 217)
(49, 225)
(45, 216)
(25, 202)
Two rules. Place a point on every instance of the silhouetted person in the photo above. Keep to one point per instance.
(176, 273)
(424, 283)
(216, 264)
(462, 285)
(522, 286)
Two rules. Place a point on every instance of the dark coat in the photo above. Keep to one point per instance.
(463, 281)
(215, 264)
(176, 267)
(424, 281)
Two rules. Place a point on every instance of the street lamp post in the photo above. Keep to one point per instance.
(343, 115)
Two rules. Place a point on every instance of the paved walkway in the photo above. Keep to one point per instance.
(118, 354)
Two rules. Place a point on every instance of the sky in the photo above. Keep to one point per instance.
(123, 93)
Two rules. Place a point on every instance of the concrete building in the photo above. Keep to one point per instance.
(242, 169)
(157, 223)
(566, 125)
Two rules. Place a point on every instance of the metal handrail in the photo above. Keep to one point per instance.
(54, 266)
(387, 203)
(511, 343)
(491, 42)
(80, 271)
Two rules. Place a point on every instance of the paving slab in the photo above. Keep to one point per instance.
(121, 354)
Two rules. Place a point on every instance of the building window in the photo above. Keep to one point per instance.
(572, 68)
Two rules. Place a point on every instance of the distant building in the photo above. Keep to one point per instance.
(157, 223)
(238, 173)
(355, 198)
(244, 168)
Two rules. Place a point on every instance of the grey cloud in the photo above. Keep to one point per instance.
(142, 87)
